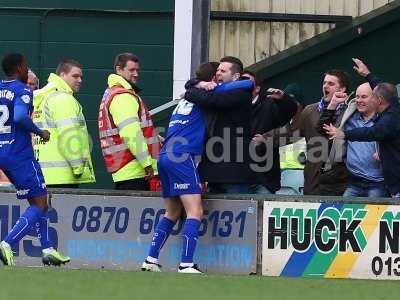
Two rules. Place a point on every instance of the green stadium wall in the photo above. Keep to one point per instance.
(49, 31)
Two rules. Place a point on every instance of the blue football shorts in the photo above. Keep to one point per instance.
(178, 176)
(27, 177)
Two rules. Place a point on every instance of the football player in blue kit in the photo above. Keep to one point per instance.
(178, 173)
(18, 162)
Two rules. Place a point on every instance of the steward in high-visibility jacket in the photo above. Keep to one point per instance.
(293, 156)
(65, 159)
(128, 139)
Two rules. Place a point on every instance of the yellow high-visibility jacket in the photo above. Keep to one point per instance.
(65, 159)
(290, 154)
(124, 109)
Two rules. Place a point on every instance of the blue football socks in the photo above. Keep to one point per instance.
(160, 236)
(189, 236)
(42, 231)
(24, 224)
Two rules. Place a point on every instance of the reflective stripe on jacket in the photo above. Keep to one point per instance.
(128, 139)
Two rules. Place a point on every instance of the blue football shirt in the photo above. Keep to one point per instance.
(15, 141)
(186, 130)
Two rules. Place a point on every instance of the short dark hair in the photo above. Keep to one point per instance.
(122, 59)
(343, 76)
(66, 65)
(11, 62)
(387, 91)
(206, 71)
(237, 65)
(251, 73)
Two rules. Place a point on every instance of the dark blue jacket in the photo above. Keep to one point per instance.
(373, 80)
(230, 138)
(386, 132)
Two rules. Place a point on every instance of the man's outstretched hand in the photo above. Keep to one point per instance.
(333, 132)
(360, 67)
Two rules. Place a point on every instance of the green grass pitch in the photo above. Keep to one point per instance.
(59, 284)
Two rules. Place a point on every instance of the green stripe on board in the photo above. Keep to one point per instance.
(321, 262)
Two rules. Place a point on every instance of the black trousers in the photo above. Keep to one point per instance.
(139, 184)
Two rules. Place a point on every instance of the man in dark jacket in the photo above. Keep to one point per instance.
(386, 132)
(268, 112)
(225, 165)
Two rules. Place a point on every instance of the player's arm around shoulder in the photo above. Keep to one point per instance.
(124, 109)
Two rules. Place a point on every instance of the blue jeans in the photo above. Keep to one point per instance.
(360, 187)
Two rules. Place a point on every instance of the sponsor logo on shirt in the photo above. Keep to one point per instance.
(22, 192)
(183, 122)
(181, 186)
(26, 99)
